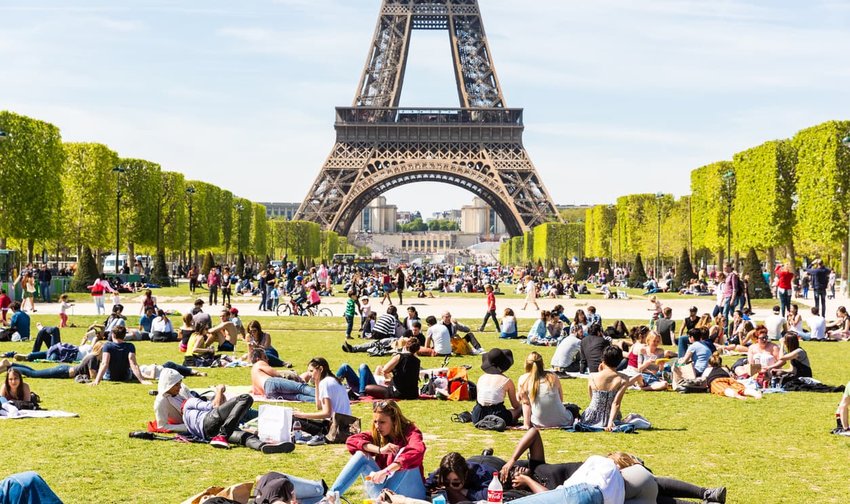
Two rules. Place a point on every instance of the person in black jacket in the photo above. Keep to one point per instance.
(820, 280)
(592, 347)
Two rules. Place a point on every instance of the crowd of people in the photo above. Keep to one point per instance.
(389, 453)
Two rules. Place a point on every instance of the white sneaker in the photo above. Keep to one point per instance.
(478, 351)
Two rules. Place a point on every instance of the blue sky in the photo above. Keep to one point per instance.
(620, 96)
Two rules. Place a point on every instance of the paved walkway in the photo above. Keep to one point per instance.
(609, 309)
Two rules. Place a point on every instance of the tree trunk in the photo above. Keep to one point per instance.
(771, 261)
(844, 258)
(98, 260)
(30, 247)
(791, 253)
(720, 257)
(3, 243)
(131, 254)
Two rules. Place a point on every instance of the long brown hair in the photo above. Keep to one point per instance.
(17, 394)
(399, 421)
(536, 373)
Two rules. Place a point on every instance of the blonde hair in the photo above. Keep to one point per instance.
(399, 421)
(624, 460)
(536, 374)
(653, 336)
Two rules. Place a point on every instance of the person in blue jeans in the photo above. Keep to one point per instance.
(390, 455)
(268, 382)
(47, 336)
(27, 488)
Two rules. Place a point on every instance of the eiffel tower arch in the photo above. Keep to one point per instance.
(380, 146)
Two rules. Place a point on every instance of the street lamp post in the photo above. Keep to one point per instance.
(729, 178)
(239, 208)
(190, 191)
(658, 197)
(846, 142)
(118, 171)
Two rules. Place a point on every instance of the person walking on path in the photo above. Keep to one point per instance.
(213, 283)
(491, 310)
(820, 280)
(530, 293)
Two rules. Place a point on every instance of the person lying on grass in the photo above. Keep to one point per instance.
(721, 382)
(463, 480)
(217, 420)
(267, 381)
(639, 484)
(118, 362)
(401, 375)
(843, 412)
(14, 388)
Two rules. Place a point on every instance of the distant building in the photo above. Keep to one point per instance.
(281, 210)
(478, 218)
(450, 215)
(404, 217)
(377, 217)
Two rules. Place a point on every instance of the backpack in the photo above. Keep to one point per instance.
(739, 285)
(458, 384)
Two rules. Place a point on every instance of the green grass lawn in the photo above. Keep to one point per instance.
(774, 450)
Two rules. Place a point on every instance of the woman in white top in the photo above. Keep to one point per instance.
(541, 396)
(508, 325)
(530, 293)
(331, 397)
(494, 386)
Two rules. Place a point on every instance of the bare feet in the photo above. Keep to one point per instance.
(4, 365)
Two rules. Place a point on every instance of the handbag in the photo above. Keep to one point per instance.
(342, 426)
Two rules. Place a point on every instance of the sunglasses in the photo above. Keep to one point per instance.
(381, 405)
(455, 483)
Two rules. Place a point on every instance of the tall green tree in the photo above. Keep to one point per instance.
(709, 198)
(823, 188)
(763, 213)
(227, 220)
(259, 232)
(599, 224)
(173, 211)
(87, 180)
(32, 160)
(141, 187)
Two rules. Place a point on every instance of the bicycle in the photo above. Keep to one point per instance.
(292, 308)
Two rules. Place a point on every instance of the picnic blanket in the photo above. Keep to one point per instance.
(41, 414)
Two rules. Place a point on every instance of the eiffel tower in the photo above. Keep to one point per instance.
(380, 146)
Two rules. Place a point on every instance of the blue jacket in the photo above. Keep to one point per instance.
(21, 322)
(820, 278)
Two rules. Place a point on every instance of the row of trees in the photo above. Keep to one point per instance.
(64, 196)
(784, 197)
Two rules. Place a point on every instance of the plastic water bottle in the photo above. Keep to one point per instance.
(296, 431)
(438, 499)
(494, 490)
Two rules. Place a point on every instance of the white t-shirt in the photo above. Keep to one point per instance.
(602, 473)
(332, 389)
(817, 324)
(774, 324)
(442, 339)
(566, 352)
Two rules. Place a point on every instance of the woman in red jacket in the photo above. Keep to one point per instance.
(388, 457)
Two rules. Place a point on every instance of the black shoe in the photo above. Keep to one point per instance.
(715, 495)
(487, 452)
(143, 435)
(353, 396)
(346, 347)
(270, 448)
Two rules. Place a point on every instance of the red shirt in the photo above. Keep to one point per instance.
(783, 278)
(491, 301)
(5, 301)
(410, 455)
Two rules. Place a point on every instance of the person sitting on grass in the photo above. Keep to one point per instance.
(494, 387)
(186, 331)
(463, 341)
(566, 357)
(331, 398)
(537, 334)
(721, 382)
(648, 366)
(438, 337)
(258, 339)
(146, 323)
(218, 420)
(226, 333)
(20, 322)
(639, 487)
(201, 341)
(400, 374)
(760, 355)
(508, 325)
(606, 389)
(542, 396)
(389, 456)
(794, 355)
(118, 362)
(268, 382)
(162, 331)
(699, 352)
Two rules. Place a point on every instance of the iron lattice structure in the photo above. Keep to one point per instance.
(380, 146)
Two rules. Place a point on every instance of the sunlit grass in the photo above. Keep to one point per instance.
(774, 450)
